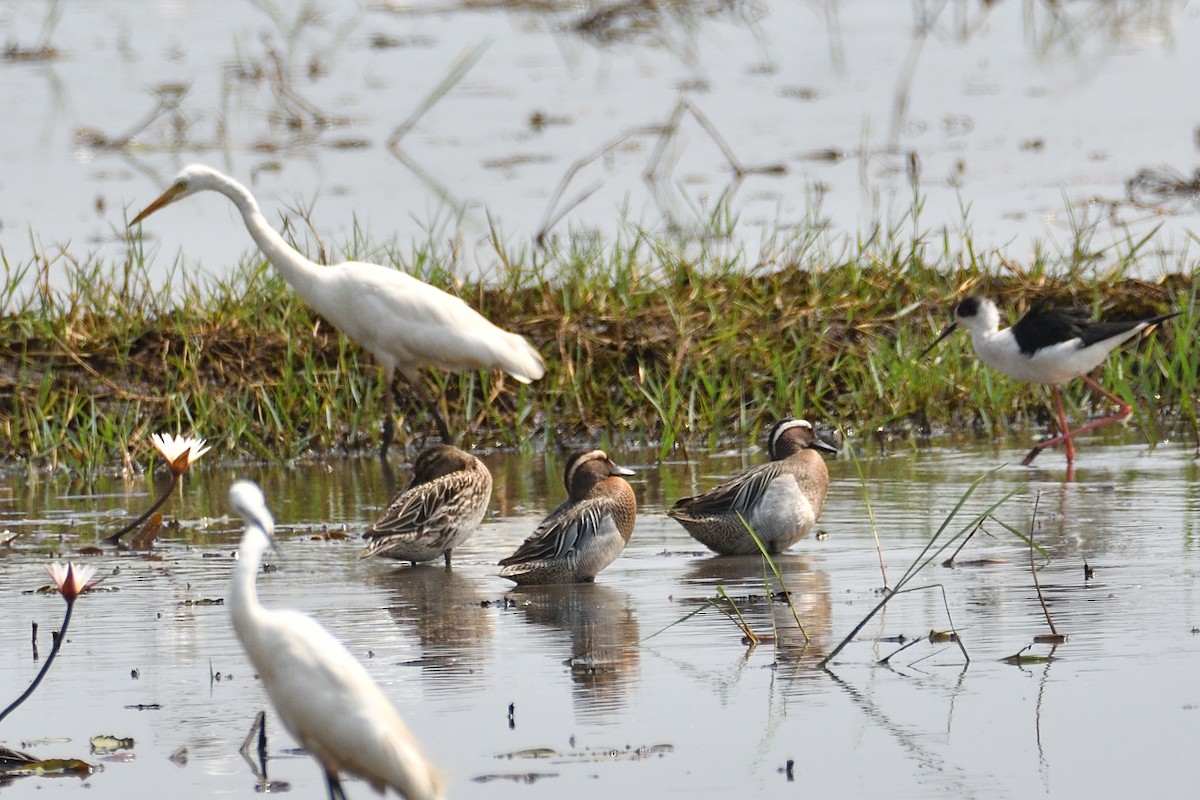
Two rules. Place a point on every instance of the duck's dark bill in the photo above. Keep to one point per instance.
(824, 446)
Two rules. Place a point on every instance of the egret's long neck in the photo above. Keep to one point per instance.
(243, 597)
(302, 274)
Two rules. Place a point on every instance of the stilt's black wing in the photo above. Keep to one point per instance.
(1043, 327)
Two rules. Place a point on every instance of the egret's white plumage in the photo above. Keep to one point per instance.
(323, 695)
(1049, 346)
(403, 322)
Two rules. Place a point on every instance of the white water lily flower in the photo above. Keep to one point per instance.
(72, 580)
(179, 451)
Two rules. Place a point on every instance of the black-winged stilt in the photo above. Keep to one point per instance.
(1049, 346)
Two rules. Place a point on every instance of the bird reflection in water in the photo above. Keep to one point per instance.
(445, 611)
(742, 578)
(604, 657)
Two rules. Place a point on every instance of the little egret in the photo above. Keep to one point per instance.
(323, 694)
(403, 322)
(1049, 346)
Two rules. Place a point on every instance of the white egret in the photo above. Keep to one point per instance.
(403, 322)
(322, 693)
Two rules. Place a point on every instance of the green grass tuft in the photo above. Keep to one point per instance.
(647, 340)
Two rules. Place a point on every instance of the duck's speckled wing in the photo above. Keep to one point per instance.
(566, 531)
(736, 496)
(413, 508)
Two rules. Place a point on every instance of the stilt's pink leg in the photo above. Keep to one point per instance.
(1125, 407)
(1063, 427)
(1123, 411)
(1064, 435)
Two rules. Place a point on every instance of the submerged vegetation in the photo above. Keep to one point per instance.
(647, 341)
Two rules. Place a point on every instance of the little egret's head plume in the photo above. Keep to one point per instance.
(404, 323)
(323, 694)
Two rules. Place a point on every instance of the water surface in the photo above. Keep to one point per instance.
(1013, 122)
(609, 682)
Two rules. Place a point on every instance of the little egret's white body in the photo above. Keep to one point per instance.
(403, 322)
(1049, 346)
(322, 693)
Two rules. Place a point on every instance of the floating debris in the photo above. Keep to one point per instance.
(515, 777)
(951, 563)
(1050, 638)
(103, 745)
(1023, 657)
(70, 767)
(51, 588)
(587, 755)
(41, 52)
(1163, 183)
(46, 741)
(830, 155)
(14, 758)
(143, 538)
(531, 752)
(517, 160)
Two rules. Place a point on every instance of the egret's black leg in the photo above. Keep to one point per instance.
(336, 792)
(432, 404)
(443, 431)
(389, 421)
(389, 430)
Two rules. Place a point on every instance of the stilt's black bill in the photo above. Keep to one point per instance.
(949, 330)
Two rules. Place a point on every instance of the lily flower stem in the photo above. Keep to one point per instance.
(116, 537)
(58, 640)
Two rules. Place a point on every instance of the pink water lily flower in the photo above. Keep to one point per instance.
(72, 580)
(179, 451)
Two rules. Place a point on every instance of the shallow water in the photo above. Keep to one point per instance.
(1020, 121)
(613, 684)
